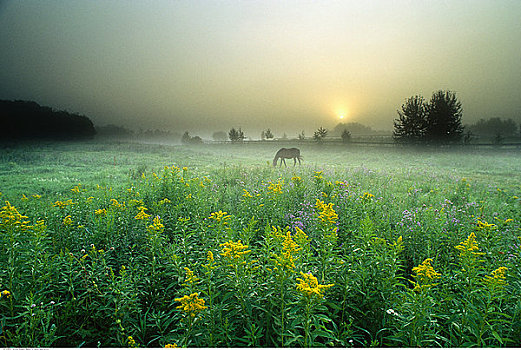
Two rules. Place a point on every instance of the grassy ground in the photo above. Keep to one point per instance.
(123, 245)
(54, 167)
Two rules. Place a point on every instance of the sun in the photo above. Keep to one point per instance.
(341, 116)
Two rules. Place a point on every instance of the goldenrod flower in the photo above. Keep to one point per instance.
(297, 180)
(498, 278)
(289, 249)
(164, 201)
(367, 196)
(9, 216)
(142, 215)
(116, 204)
(191, 304)
(157, 225)
(275, 188)
(483, 225)
(67, 220)
(234, 250)
(309, 287)
(209, 256)
(424, 275)
(326, 212)
(190, 277)
(220, 216)
(62, 205)
(100, 212)
(131, 342)
(469, 247)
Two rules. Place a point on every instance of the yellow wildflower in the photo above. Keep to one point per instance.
(209, 256)
(190, 277)
(171, 345)
(164, 201)
(297, 180)
(498, 278)
(308, 285)
(116, 204)
(36, 196)
(469, 246)
(326, 212)
(157, 225)
(67, 220)
(367, 196)
(5, 293)
(424, 275)
(24, 198)
(483, 225)
(246, 194)
(191, 304)
(220, 216)
(234, 250)
(289, 249)
(131, 342)
(100, 212)
(142, 215)
(62, 205)
(9, 216)
(275, 188)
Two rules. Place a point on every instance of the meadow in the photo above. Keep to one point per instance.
(113, 244)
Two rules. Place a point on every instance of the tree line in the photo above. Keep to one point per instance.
(27, 120)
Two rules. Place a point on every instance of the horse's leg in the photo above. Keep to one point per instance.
(294, 161)
(284, 159)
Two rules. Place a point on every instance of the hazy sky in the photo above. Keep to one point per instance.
(206, 66)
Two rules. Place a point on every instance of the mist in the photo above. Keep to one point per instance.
(291, 66)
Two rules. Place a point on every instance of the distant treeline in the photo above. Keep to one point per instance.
(27, 120)
(120, 132)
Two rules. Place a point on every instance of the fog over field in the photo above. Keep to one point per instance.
(207, 66)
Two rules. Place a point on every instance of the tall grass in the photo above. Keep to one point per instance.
(129, 245)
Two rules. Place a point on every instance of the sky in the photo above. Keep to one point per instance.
(291, 66)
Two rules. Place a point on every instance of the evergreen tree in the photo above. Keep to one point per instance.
(411, 123)
(444, 114)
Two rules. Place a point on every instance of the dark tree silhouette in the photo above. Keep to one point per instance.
(266, 134)
(26, 120)
(494, 126)
(444, 114)
(411, 124)
(236, 135)
(320, 134)
(219, 136)
(187, 139)
(346, 136)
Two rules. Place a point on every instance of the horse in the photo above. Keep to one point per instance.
(286, 153)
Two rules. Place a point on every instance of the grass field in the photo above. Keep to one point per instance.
(123, 244)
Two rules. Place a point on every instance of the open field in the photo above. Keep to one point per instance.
(120, 244)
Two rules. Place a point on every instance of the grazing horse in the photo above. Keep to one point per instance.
(284, 153)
